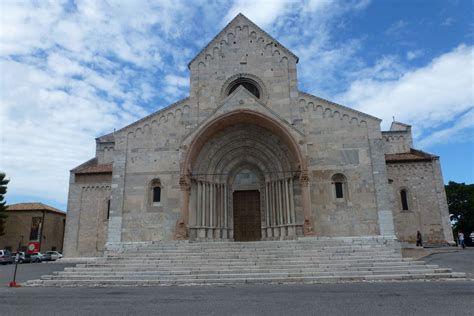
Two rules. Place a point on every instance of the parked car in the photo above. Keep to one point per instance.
(47, 256)
(5, 257)
(22, 257)
(36, 257)
(55, 255)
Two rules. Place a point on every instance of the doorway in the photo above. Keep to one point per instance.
(247, 219)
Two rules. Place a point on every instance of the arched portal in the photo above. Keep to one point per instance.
(248, 161)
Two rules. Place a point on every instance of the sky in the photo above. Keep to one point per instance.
(71, 71)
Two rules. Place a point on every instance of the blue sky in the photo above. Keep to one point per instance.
(75, 70)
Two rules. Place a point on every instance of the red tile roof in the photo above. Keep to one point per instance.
(33, 207)
(91, 167)
(412, 156)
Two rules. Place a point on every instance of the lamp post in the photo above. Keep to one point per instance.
(13, 283)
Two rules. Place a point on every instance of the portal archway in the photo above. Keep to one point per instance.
(236, 141)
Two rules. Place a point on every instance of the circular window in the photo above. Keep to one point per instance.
(248, 84)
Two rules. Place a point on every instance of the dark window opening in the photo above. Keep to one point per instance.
(156, 194)
(247, 85)
(35, 229)
(108, 209)
(339, 190)
(403, 195)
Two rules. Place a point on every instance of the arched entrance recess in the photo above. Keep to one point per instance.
(238, 152)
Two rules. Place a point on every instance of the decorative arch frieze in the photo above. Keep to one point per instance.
(177, 112)
(308, 103)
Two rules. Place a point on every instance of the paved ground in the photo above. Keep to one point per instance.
(29, 271)
(401, 298)
(459, 261)
(407, 298)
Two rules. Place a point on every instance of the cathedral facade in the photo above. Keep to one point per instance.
(247, 157)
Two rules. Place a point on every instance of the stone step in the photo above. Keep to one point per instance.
(361, 266)
(132, 276)
(253, 249)
(230, 263)
(248, 271)
(246, 260)
(296, 261)
(274, 252)
(257, 257)
(230, 281)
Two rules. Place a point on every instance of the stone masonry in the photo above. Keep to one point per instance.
(320, 168)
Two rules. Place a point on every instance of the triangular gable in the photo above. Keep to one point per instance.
(241, 98)
(239, 19)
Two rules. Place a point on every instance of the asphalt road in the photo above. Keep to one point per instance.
(461, 260)
(29, 271)
(378, 298)
(404, 298)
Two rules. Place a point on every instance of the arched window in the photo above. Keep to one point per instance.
(155, 188)
(404, 199)
(156, 195)
(339, 181)
(248, 84)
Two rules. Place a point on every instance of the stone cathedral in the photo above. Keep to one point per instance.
(249, 157)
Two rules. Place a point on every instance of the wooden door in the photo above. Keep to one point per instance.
(247, 222)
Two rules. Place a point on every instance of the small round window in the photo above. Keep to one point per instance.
(247, 84)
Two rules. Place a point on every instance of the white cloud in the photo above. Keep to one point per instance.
(426, 97)
(71, 72)
(462, 128)
(261, 12)
(413, 54)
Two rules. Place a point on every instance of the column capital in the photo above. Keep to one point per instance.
(185, 182)
(304, 177)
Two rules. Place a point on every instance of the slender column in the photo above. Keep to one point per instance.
(266, 205)
(181, 230)
(308, 222)
(198, 204)
(225, 207)
(211, 205)
(206, 206)
(287, 198)
(292, 203)
(279, 204)
(274, 211)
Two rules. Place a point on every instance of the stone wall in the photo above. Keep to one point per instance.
(87, 223)
(427, 207)
(18, 224)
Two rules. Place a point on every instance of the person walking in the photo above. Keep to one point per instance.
(461, 240)
(419, 241)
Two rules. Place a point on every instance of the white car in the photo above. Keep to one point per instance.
(55, 255)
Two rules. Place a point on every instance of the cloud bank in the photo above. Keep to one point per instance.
(74, 70)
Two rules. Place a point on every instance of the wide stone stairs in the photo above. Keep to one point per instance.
(308, 260)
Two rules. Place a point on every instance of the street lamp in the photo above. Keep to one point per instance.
(13, 283)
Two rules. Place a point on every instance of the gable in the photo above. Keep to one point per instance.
(243, 100)
(240, 29)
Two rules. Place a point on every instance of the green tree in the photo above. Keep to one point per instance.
(461, 206)
(3, 207)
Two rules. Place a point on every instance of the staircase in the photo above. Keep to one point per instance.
(307, 260)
